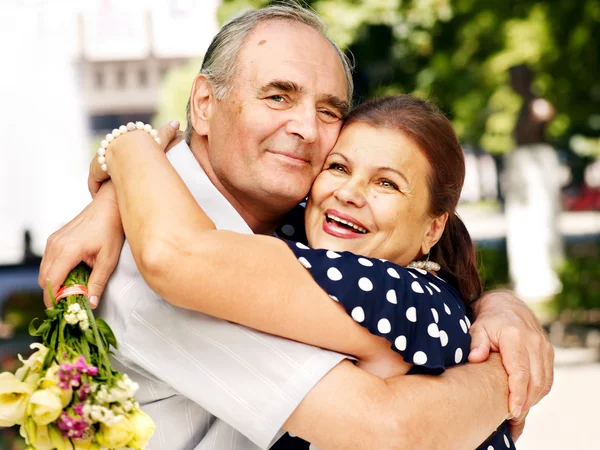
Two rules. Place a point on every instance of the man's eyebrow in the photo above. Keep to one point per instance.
(281, 85)
(342, 106)
(335, 102)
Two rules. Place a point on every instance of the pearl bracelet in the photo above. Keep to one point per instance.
(101, 152)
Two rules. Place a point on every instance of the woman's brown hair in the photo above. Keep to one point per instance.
(432, 132)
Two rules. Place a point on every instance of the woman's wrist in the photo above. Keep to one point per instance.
(102, 152)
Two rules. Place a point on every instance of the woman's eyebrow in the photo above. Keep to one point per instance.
(390, 169)
(337, 154)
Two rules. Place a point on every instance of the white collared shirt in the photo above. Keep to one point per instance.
(207, 383)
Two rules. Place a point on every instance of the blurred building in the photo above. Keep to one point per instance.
(74, 70)
(127, 47)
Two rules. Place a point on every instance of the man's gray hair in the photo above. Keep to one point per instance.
(221, 59)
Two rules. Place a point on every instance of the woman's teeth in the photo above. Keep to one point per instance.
(347, 223)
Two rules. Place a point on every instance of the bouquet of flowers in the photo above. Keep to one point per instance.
(66, 395)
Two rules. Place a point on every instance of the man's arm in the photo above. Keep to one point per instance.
(505, 324)
(349, 408)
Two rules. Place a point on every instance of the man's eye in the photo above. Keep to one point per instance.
(330, 114)
(277, 98)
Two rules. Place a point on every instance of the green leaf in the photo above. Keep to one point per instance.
(33, 331)
(106, 332)
(53, 312)
(89, 336)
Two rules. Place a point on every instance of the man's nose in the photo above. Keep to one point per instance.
(304, 124)
(352, 192)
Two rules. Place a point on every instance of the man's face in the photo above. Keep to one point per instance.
(268, 139)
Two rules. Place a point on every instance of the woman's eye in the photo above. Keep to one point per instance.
(336, 167)
(388, 184)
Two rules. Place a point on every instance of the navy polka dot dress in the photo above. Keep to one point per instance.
(419, 313)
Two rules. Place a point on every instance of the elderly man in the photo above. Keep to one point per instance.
(212, 384)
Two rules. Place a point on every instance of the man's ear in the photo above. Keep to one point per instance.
(434, 233)
(201, 104)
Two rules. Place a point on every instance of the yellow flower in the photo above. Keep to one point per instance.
(81, 444)
(50, 382)
(117, 435)
(35, 361)
(13, 399)
(44, 406)
(28, 376)
(37, 437)
(143, 428)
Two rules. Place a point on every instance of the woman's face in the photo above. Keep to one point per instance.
(374, 180)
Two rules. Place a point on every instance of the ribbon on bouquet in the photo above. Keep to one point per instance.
(76, 289)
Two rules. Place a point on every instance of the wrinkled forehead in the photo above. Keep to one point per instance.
(286, 50)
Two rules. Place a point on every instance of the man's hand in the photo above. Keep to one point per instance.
(95, 237)
(505, 324)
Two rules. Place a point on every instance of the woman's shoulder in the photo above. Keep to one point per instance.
(370, 274)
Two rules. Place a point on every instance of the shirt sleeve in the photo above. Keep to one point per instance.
(250, 380)
(420, 314)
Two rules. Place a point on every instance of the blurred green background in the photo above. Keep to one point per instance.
(456, 53)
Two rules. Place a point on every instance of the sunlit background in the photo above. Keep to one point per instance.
(74, 70)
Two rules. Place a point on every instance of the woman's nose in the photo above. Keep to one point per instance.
(351, 192)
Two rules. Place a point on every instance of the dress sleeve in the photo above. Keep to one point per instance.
(420, 314)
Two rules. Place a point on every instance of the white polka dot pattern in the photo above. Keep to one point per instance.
(420, 314)
(358, 314)
(365, 262)
(365, 284)
(304, 262)
(381, 296)
(334, 274)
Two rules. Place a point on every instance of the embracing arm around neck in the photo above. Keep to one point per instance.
(257, 281)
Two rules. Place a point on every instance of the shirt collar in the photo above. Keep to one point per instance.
(214, 204)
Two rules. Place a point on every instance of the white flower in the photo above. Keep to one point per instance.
(74, 308)
(71, 319)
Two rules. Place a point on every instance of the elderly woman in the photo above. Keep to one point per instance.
(383, 240)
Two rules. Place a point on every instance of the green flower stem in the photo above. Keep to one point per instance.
(103, 355)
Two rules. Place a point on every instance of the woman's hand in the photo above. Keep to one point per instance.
(169, 136)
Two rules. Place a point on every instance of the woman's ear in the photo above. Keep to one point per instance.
(201, 107)
(434, 233)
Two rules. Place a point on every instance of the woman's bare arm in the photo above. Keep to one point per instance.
(249, 280)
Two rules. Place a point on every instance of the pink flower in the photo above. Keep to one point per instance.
(72, 424)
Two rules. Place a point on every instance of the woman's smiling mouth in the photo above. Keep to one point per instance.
(342, 225)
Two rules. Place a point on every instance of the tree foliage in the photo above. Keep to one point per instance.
(457, 53)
